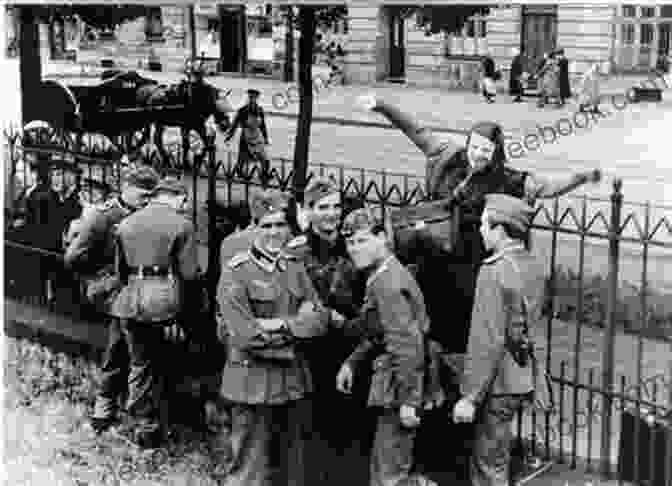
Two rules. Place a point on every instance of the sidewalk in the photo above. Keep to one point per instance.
(448, 110)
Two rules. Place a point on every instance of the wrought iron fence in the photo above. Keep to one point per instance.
(596, 321)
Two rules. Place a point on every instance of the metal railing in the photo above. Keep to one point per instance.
(595, 322)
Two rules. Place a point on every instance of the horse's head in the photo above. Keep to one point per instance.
(222, 108)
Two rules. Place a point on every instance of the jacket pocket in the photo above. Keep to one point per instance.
(263, 300)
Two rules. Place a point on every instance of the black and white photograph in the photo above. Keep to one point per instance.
(336, 243)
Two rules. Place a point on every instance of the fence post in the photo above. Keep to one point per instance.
(213, 242)
(610, 328)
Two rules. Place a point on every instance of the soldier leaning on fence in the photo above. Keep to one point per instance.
(397, 391)
(254, 138)
(501, 374)
(341, 453)
(158, 266)
(91, 253)
(267, 304)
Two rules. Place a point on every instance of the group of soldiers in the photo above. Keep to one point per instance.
(345, 362)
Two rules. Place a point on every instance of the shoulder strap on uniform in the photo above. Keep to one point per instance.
(238, 259)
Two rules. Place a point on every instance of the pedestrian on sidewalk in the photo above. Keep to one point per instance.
(501, 375)
(515, 76)
(91, 253)
(563, 76)
(589, 89)
(254, 141)
(489, 74)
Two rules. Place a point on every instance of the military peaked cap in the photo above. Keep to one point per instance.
(269, 201)
(143, 177)
(253, 92)
(504, 209)
(319, 188)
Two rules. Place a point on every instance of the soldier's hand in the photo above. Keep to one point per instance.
(595, 176)
(345, 378)
(367, 102)
(271, 325)
(408, 416)
(464, 411)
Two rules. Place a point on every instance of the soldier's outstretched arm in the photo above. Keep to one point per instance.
(420, 136)
(542, 187)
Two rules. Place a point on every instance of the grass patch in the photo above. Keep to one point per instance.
(47, 399)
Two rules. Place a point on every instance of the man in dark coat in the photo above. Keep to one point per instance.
(254, 138)
(515, 83)
(489, 73)
(563, 66)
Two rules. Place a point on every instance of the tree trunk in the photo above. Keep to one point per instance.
(302, 143)
(191, 19)
(289, 47)
(30, 66)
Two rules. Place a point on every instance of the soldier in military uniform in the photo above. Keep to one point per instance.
(397, 390)
(158, 265)
(501, 374)
(91, 253)
(267, 304)
(341, 453)
(464, 175)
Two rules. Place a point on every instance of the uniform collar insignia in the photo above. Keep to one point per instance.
(508, 249)
(378, 271)
(263, 259)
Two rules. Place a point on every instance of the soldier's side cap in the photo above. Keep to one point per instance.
(359, 219)
(269, 201)
(253, 92)
(171, 185)
(510, 210)
(143, 177)
(318, 188)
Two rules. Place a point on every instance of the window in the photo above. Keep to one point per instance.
(471, 28)
(483, 28)
(666, 10)
(648, 11)
(629, 11)
(646, 34)
(628, 33)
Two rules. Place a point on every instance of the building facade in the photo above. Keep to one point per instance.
(385, 44)
(384, 41)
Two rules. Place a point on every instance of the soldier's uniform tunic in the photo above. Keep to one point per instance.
(509, 291)
(341, 453)
(91, 252)
(156, 241)
(398, 369)
(266, 376)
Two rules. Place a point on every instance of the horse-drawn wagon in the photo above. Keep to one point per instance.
(131, 112)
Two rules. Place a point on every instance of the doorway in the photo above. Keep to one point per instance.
(397, 43)
(232, 38)
(538, 34)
